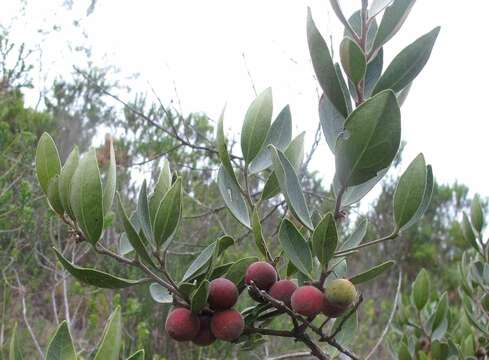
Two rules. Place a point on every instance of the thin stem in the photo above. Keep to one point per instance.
(370, 243)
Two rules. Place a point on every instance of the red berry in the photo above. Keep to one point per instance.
(223, 294)
(262, 274)
(307, 300)
(182, 325)
(227, 325)
(282, 290)
(204, 337)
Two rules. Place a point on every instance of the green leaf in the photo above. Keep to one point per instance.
(353, 60)
(237, 271)
(477, 214)
(468, 232)
(325, 239)
(403, 353)
(14, 348)
(258, 234)
(110, 185)
(344, 87)
(421, 289)
(138, 355)
(86, 197)
(377, 6)
(355, 193)
(54, 196)
(169, 214)
(222, 149)
(64, 181)
(47, 161)
(295, 247)
(324, 66)
(133, 236)
(348, 331)
(356, 236)
(394, 17)
(110, 345)
(440, 319)
(256, 125)
(61, 346)
(233, 198)
(410, 190)
(355, 21)
(407, 64)
(291, 187)
(160, 294)
(199, 297)
(143, 213)
(200, 262)
(425, 203)
(279, 135)
(162, 186)
(370, 140)
(332, 121)
(94, 277)
(373, 73)
(372, 273)
(295, 153)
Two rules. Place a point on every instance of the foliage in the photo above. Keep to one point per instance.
(452, 325)
(365, 140)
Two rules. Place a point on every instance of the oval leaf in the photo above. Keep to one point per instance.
(353, 60)
(370, 140)
(160, 294)
(295, 247)
(477, 214)
(279, 135)
(410, 190)
(233, 198)
(407, 64)
(61, 346)
(86, 197)
(163, 184)
(169, 214)
(324, 66)
(392, 20)
(143, 213)
(325, 239)
(199, 297)
(295, 153)
(133, 236)
(47, 161)
(332, 121)
(64, 182)
(258, 234)
(94, 277)
(356, 236)
(468, 232)
(291, 187)
(54, 196)
(425, 203)
(110, 345)
(421, 289)
(200, 262)
(256, 125)
(372, 273)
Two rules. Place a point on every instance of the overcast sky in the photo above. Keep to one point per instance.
(197, 46)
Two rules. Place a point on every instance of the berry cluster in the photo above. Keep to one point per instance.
(221, 322)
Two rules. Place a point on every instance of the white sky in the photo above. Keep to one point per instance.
(198, 45)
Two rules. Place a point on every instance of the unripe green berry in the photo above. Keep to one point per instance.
(341, 292)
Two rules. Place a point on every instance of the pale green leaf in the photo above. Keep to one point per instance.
(61, 345)
(295, 247)
(110, 345)
(86, 197)
(256, 125)
(47, 161)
